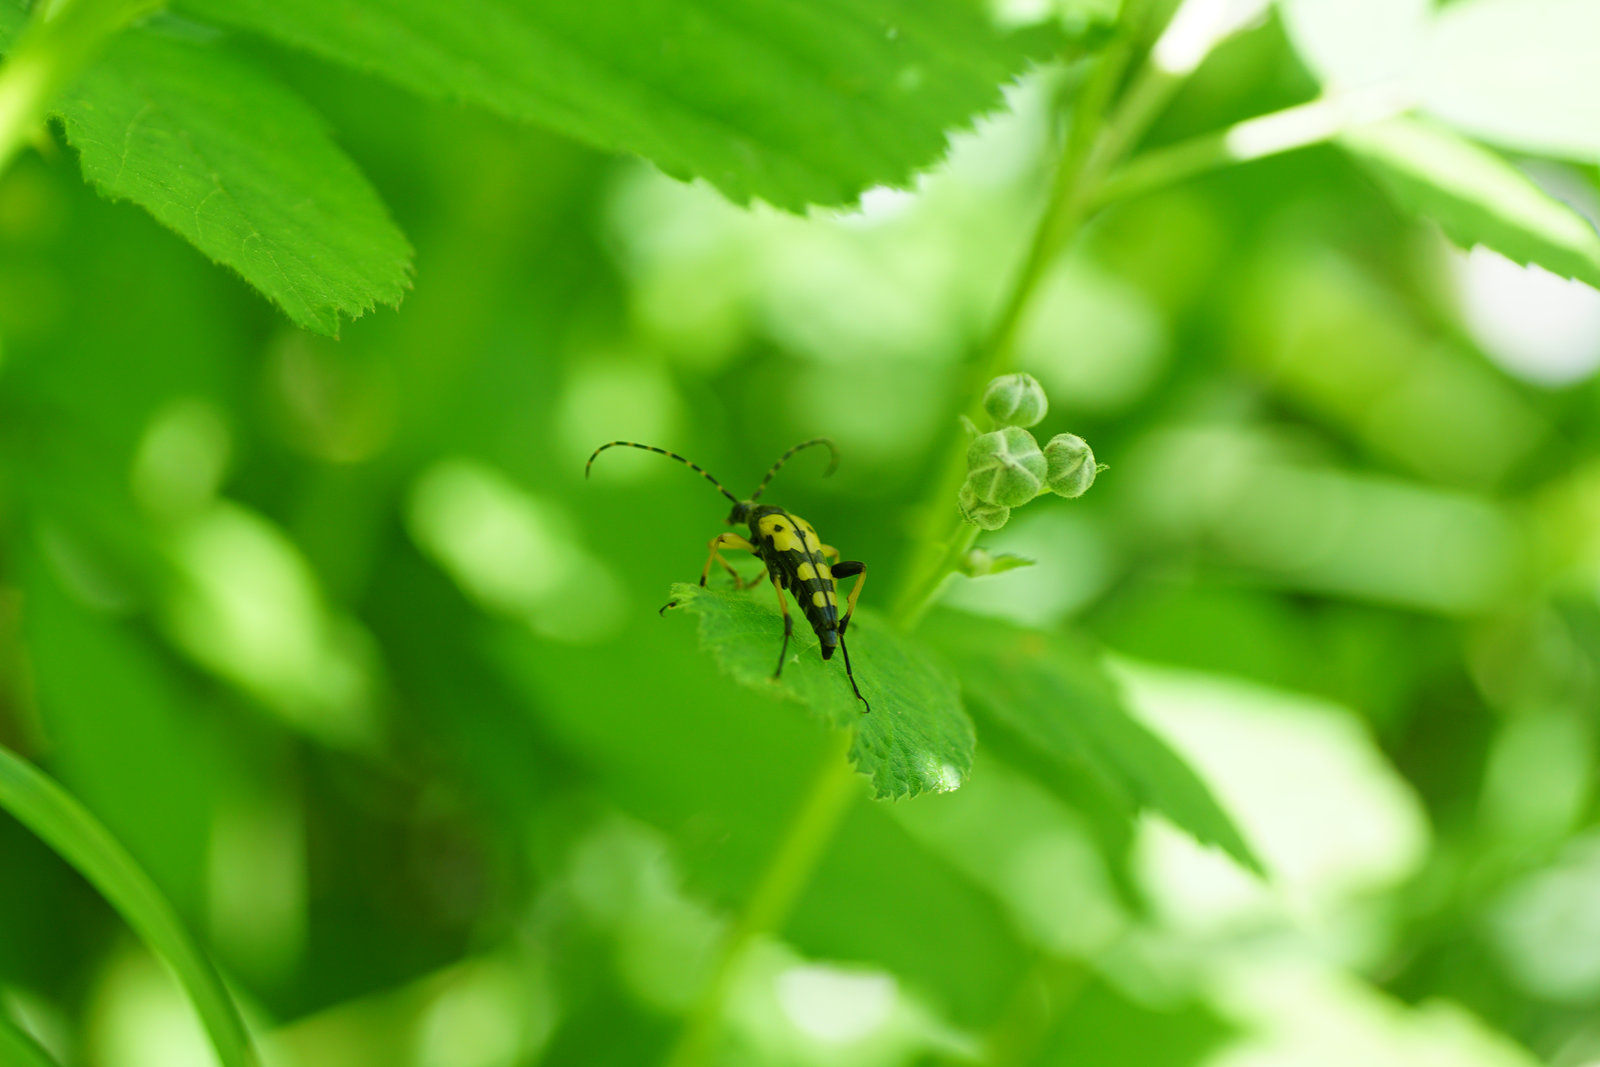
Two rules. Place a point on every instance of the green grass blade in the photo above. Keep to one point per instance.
(17, 1049)
(49, 811)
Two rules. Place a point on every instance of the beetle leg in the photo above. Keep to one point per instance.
(788, 626)
(858, 570)
(850, 674)
(719, 542)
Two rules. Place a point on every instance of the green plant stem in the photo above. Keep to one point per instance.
(819, 815)
(37, 802)
(804, 841)
(1086, 181)
(1048, 988)
(57, 44)
(1257, 138)
(17, 1049)
(1092, 145)
(960, 544)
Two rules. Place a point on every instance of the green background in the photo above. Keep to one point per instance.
(333, 635)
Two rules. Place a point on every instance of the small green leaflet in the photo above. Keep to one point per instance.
(1521, 74)
(916, 739)
(1476, 196)
(794, 103)
(241, 169)
(979, 563)
(1054, 696)
(1353, 43)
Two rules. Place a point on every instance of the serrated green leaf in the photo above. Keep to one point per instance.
(1476, 196)
(793, 103)
(916, 739)
(1519, 73)
(241, 169)
(1055, 696)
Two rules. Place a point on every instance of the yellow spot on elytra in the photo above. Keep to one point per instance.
(781, 533)
(805, 572)
(820, 599)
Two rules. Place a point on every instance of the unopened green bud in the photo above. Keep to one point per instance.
(1006, 467)
(1071, 465)
(982, 515)
(1015, 400)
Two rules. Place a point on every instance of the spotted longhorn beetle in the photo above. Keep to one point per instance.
(795, 557)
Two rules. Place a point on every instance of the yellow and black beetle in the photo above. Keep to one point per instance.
(795, 557)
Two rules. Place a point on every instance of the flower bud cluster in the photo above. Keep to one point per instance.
(1006, 468)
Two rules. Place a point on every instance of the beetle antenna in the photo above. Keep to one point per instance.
(833, 462)
(672, 455)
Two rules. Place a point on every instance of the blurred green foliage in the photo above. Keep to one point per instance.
(335, 640)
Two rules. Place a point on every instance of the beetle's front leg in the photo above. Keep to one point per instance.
(717, 544)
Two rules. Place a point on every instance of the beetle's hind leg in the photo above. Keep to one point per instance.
(850, 569)
(850, 674)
